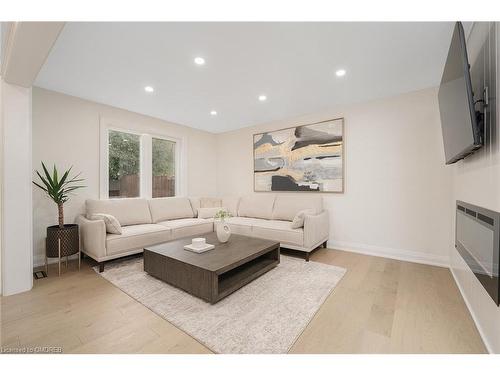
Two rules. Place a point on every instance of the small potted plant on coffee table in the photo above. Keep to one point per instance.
(62, 239)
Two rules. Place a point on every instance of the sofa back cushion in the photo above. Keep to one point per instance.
(170, 208)
(231, 204)
(204, 202)
(209, 212)
(129, 211)
(258, 206)
(210, 202)
(195, 205)
(287, 206)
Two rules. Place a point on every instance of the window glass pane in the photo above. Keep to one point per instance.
(163, 168)
(124, 164)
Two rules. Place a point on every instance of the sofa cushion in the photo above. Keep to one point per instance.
(207, 213)
(287, 206)
(128, 211)
(241, 225)
(278, 230)
(195, 204)
(136, 237)
(170, 208)
(238, 220)
(257, 206)
(188, 227)
(210, 202)
(231, 204)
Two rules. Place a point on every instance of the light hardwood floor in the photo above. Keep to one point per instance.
(380, 306)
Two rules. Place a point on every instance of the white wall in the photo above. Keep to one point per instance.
(1, 171)
(396, 201)
(66, 132)
(17, 260)
(476, 180)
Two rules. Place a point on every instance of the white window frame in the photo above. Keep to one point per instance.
(146, 162)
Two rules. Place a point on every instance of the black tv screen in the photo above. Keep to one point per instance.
(461, 131)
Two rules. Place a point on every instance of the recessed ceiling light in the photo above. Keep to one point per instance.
(149, 89)
(262, 98)
(340, 73)
(199, 61)
(213, 113)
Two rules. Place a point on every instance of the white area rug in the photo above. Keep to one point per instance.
(265, 316)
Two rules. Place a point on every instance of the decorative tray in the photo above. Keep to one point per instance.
(196, 249)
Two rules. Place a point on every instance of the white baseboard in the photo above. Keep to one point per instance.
(386, 252)
(471, 311)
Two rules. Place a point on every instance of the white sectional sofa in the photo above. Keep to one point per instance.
(147, 222)
(270, 217)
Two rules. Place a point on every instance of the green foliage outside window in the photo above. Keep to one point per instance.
(124, 154)
(163, 157)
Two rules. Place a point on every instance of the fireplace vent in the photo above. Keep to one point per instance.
(477, 239)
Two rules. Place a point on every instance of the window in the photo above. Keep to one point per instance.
(139, 165)
(163, 162)
(124, 165)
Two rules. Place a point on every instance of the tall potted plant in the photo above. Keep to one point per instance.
(62, 239)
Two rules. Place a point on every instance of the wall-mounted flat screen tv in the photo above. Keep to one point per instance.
(461, 129)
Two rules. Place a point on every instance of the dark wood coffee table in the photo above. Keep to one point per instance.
(214, 274)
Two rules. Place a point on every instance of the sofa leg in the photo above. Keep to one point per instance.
(101, 267)
(324, 244)
(307, 257)
(82, 255)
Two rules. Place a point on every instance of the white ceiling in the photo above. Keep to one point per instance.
(293, 64)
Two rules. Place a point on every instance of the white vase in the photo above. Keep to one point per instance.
(223, 231)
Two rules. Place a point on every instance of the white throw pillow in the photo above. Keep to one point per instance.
(209, 212)
(298, 220)
(112, 225)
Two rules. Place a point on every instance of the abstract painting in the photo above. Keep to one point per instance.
(303, 158)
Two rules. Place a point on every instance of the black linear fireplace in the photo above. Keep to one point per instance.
(477, 239)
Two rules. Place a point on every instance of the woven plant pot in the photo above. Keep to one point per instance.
(70, 240)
